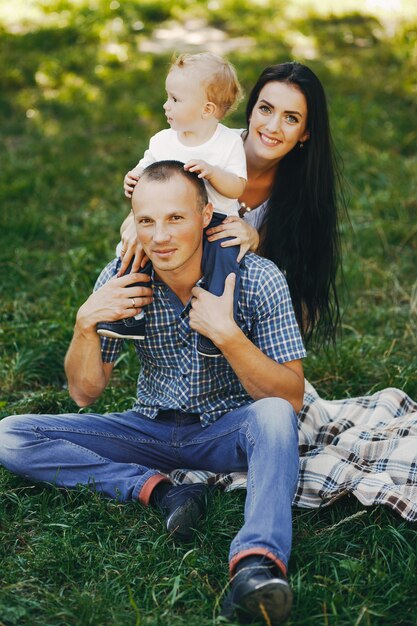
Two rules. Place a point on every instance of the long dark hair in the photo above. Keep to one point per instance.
(300, 232)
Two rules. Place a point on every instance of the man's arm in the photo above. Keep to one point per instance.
(261, 376)
(87, 375)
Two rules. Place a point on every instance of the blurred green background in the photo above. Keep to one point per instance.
(81, 92)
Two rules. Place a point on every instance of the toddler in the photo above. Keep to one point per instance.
(201, 90)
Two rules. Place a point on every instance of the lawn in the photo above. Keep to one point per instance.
(81, 89)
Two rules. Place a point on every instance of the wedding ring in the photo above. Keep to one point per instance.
(133, 303)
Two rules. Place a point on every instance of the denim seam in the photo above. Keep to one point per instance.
(218, 436)
(76, 445)
(39, 431)
(245, 427)
(249, 435)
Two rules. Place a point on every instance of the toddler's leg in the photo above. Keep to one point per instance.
(217, 264)
(130, 327)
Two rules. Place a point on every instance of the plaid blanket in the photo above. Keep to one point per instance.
(362, 446)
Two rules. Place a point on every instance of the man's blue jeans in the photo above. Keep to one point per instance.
(118, 453)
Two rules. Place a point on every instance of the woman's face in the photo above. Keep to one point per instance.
(278, 121)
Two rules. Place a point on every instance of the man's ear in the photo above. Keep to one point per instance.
(209, 110)
(207, 214)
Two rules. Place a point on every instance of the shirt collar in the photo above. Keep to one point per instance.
(171, 296)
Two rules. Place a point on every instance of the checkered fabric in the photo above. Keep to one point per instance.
(364, 446)
(174, 376)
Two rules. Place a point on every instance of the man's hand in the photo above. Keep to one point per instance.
(261, 376)
(211, 315)
(114, 301)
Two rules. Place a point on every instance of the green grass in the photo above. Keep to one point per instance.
(78, 103)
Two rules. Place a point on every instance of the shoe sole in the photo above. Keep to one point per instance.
(181, 522)
(114, 335)
(270, 602)
(211, 356)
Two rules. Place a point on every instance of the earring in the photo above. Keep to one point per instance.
(301, 145)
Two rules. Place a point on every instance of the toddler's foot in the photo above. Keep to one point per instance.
(129, 328)
(206, 347)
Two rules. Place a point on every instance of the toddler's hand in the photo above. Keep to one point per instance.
(130, 183)
(205, 170)
(131, 249)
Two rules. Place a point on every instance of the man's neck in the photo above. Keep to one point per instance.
(200, 135)
(180, 282)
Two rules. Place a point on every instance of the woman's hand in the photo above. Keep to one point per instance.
(131, 248)
(244, 235)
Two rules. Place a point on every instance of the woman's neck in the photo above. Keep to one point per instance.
(260, 183)
(261, 176)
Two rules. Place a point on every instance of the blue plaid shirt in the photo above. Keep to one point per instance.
(175, 376)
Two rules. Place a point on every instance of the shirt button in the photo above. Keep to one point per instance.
(184, 375)
(183, 406)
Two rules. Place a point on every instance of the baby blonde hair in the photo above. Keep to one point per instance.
(218, 77)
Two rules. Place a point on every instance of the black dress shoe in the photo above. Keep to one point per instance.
(183, 506)
(259, 593)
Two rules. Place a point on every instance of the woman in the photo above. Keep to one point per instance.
(289, 204)
(292, 190)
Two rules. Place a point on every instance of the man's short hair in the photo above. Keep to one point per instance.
(162, 171)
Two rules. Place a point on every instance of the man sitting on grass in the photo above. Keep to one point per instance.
(235, 413)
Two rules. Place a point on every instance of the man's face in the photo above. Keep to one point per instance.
(170, 222)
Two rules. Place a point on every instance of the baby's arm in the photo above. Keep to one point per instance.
(228, 184)
(131, 180)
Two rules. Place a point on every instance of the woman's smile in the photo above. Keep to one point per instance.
(268, 140)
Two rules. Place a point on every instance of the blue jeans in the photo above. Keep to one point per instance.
(116, 454)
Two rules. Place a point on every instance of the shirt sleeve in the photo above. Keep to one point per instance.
(275, 330)
(236, 160)
(110, 348)
(148, 157)
(256, 217)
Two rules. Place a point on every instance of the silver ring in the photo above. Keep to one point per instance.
(133, 303)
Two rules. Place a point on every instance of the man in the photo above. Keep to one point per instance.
(234, 413)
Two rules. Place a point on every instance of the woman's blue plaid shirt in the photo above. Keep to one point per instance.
(174, 376)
